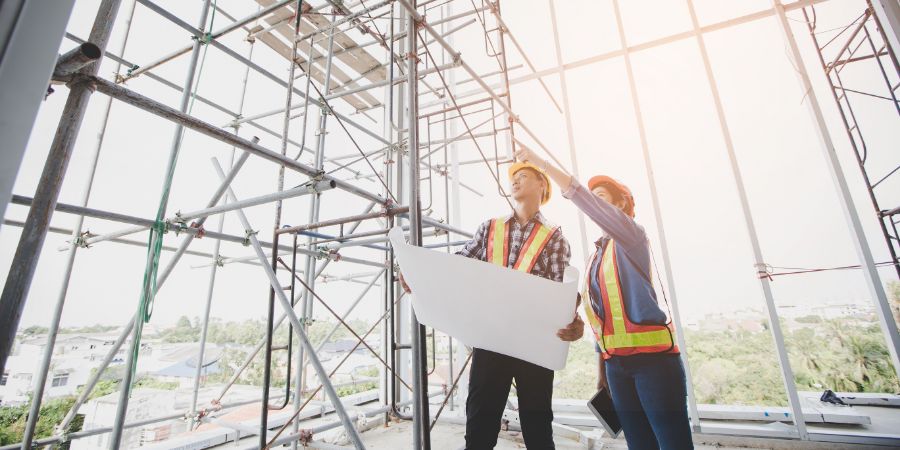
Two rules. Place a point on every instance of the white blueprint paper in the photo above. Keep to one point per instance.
(488, 306)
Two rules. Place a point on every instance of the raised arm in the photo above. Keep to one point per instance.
(558, 175)
(620, 226)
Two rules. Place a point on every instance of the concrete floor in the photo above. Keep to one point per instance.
(444, 436)
(449, 436)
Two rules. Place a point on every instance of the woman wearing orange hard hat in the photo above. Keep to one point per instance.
(639, 363)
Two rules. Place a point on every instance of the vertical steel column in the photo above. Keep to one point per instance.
(30, 34)
(270, 316)
(28, 251)
(40, 381)
(421, 417)
(570, 133)
(451, 193)
(787, 372)
(870, 272)
(216, 247)
(787, 376)
(131, 362)
(504, 76)
(400, 316)
(315, 204)
(455, 214)
(387, 291)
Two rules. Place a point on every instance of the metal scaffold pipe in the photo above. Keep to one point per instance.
(75, 59)
(148, 289)
(343, 220)
(24, 263)
(421, 418)
(68, 64)
(216, 252)
(297, 327)
(213, 35)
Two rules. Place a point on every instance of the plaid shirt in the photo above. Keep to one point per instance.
(553, 260)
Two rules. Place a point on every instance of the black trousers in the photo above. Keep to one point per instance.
(489, 383)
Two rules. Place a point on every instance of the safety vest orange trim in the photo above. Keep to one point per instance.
(498, 237)
(617, 335)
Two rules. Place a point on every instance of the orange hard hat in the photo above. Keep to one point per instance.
(519, 165)
(621, 189)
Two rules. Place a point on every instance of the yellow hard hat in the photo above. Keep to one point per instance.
(519, 165)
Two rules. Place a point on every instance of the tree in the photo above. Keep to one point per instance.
(13, 418)
(35, 330)
(183, 331)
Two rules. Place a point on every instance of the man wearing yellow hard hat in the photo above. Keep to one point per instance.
(522, 240)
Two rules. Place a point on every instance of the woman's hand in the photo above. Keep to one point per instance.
(602, 383)
(559, 176)
(573, 331)
(524, 153)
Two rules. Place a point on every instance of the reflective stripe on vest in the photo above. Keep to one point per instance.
(498, 245)
(655, 338)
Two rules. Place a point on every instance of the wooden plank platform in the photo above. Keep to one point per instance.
(357, 59)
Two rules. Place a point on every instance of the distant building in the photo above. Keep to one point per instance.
(144, 404)
(147, 404)
(182, 367)
(74, 355)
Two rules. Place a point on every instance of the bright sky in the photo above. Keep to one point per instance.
(792, 196)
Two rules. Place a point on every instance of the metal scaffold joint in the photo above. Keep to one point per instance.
(82, 240)
(201, 231)
(247, 235)
(305, 437)
(179, 224)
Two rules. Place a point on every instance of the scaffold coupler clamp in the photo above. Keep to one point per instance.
(305, 438)
(315, 180)
(388, 206)
(200, 230)
(63, 437)
(80, 241)
(763, 270)
(235, 124)
(205, 39)
(178, 222)
(247, 235)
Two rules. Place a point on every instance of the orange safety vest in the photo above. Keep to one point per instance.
(617, 335)
(498, 245)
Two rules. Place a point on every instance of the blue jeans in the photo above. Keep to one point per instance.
(649, 394)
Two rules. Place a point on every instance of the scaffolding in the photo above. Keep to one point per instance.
(406, 52)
